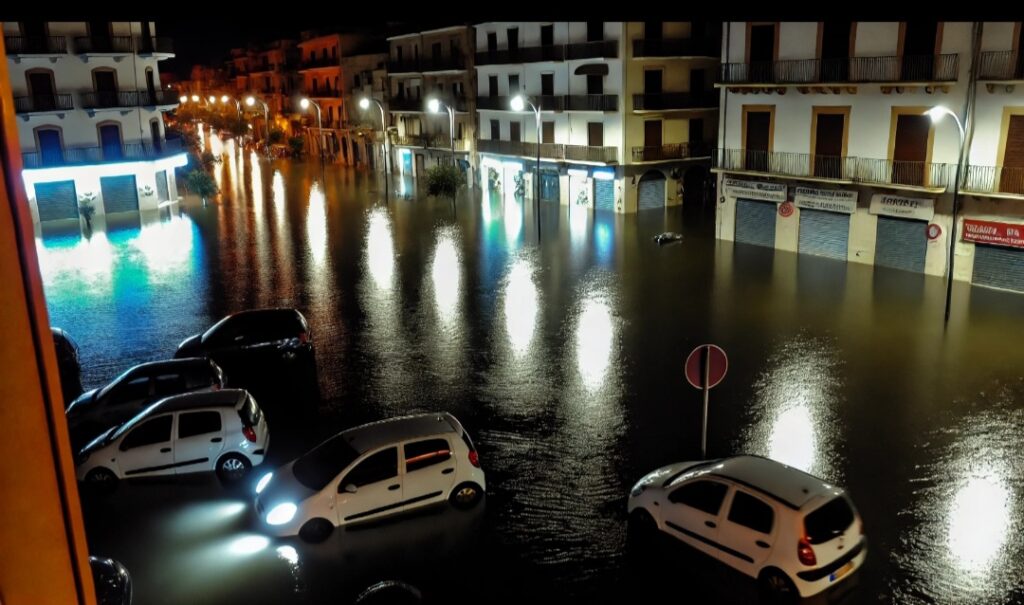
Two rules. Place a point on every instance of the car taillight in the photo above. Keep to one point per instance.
(805, 553)
(250, 433)
(303, 337)
(474, 459)
(215, 387)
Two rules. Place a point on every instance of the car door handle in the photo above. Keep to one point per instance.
(216, 440)
(710, 524)
(392, 488)
(447, 471)
(762, 544)
(165, 450)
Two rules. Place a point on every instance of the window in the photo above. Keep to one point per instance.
(514, 132)
(378, 467)
(495, 130)
(492, 86)
(169, 384)
(513, 84)
(547, 35)
(492, 42)
(422, 454)
(704, 496)
(828, 521)
(157, 430)
(595, 31)
(459, 132)
(595, 134)
(547, 131)
(595, 84)
(748, 511)
(547, 84)
(435, 51)
(198, 423)
(130, 390)
(513, 39)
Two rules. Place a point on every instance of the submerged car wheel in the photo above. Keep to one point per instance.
(231, 468)
(642, 526)
(316, 530)
(776, 587)
(466, 495)
(102, 480)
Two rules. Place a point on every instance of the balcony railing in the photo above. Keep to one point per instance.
(319, 62)
(994, 179)
(37, 103)
(928, 68)
(1001, 65)
(590, 153)
(411, 140)
(442, 141)
(407, 104)
(404, 66)
(677, 151)
(674, 100)
(159, 44)
(36, 45)
(109, 44)
(530, 54)
(127, 98)
(608, 49)
(149, 98)
(442, 63)
(324, 93)
(674, 47)
(96, 155)
(863, 170)
(592, 102)
(553, 151)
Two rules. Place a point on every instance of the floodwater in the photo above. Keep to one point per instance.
(564, 361)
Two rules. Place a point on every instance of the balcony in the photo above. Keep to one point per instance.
(110, 99)
(455, 63)
(443, 141)
(1001, 66)
(674, 47)
(157, 97)
(677, 151)
(592, 102)
(869, 171)
(43, 103)
(77, 156)
(36, 45)
(411, 140)
(531, 54)
(674, 100)
(105, 45)
(606, 49)
(324, 93)
(157, 45)
(407, 104)
(551, 151)
(855, 70)
(404, 66)
(994, 180)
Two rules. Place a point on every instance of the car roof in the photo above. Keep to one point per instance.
(383, 432)
(188, 401)
(269, 314)
(171, 363)
(790, 486)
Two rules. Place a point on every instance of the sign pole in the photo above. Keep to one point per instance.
(707, 381)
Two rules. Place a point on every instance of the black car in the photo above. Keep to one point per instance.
(247, 343)
(99, 409)
(68, 364)
(113, 583)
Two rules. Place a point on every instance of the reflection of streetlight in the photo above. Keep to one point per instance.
(434, 105)
(305, 103)
(936, 113)
(519, 103)
(250, 101)
(364, 104)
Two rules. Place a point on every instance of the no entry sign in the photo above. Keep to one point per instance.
(714, 371)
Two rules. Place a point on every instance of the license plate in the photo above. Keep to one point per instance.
(842, 571)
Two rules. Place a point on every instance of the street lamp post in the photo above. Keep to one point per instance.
(434, 105)
(364, 104)
(250, 101)
(305, 103)
(238, 106)
(519, 103)
(936, 114)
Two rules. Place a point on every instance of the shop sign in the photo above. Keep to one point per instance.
(922, 209)
(756, 190)
(830, 200)
(991, 232)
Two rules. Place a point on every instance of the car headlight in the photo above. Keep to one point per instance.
(264, 480)
(638, 489)
(281, 514)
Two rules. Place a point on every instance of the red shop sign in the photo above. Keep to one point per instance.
(991, 232)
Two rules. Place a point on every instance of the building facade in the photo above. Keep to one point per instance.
(89, 106)
(825, 147)
(424, 65)
(363, 138)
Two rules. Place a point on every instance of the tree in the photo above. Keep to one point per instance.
(297, 145)
(201, 183)
(276, 136)
(445, 180)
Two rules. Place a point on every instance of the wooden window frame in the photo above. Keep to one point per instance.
(917, 110)
(771, 124)
(817, 110)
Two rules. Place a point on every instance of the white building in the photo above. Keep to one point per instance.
(825, 148)
(89, 107)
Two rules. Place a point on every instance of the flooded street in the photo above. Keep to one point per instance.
(564, 362)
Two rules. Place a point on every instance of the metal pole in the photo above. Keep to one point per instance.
(384, 133)
(704, 424)
(536, 193)
(952, 231)
(266, 120)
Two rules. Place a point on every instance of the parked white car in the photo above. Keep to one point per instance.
(794, 532)
(223, 431)
(372, 471)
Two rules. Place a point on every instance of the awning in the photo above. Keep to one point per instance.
(592, 69)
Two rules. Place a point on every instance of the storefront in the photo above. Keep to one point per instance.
(756, 209)
(901, 240)
(604, 190)
(825, 221)
(998, 253)
(580, 193)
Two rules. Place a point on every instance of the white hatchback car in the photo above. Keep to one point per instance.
(790, 530)
(372, 471)
(223, 431)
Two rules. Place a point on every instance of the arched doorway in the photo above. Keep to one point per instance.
(651, 191)
(694, 186)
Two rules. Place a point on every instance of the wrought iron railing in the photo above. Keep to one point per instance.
(106, 44)
(146, 150)
(993, 179)
(674, 47)
(553, 52)
(607, 49)
(36, 103)
(553, 151)
(1001, 65)
(676, 151)
(592, 102)
(674, 100)
(36, 45)
(927, 68)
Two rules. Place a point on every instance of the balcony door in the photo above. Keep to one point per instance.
(758, 140)
(1011, 177)
(829, 131)
(154, 131)
(41, 88)
(110, 141)
(99, 34)
(652, 81)
(652, 140)
(696, 136)
(50, 150)
(595, 134)
(547, 35)
(595, 31)
(918, 60)
(150, 86)
(547, 130)
(105, 84)
(547, 85)
(835, 51)
(762, 52)
(697, 79)
(514, 133)
(910, 149)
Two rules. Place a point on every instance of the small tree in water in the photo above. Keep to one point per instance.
(201, 183)
(445, 180)
(297, 144)
(276, 136)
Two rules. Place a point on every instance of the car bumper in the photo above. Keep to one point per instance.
(811, 582)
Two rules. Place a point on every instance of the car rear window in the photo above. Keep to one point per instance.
(321, 464)
(828, 521)
(250, 413)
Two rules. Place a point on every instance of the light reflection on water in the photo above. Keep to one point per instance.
(520, 306)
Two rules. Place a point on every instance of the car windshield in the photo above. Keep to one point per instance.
(828, 521)
(323, 463)
(121, 430)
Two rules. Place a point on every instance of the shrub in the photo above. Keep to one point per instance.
(297, 144)
(201, 183)
(276, 136)
(444, 180)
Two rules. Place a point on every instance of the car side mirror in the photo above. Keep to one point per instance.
(350, 488)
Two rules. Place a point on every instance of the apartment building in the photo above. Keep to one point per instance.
(825, 147)
(274, 79)
(364, 135)
(89, 104)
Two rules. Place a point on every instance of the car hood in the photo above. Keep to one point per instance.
(658, 476)
(81, 403)
(97, 442)
(189, 347)
(283, 487)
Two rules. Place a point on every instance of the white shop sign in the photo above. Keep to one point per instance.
(831, 200)
(756, 190)
(922, 209)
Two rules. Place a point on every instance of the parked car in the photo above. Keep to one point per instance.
(68, 364)
(372, 471)
(112, 580)
(245, 343)
(794, 532)
(99, 409)
(222, 431)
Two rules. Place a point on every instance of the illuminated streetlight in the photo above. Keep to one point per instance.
(304, 104)
(250, 101)
(364, 104)
(212, 99)
(195, 98)
(936, 114)
(434, 105)
(519, 103)
(182, 99)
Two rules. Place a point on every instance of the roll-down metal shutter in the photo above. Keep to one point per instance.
(824, 233)
(999, 267)
(901, 244)
(119, 194)
(604, 194)
(162, 194)
(755, 222)
(549, 186)
(56, 200)
(651, 194)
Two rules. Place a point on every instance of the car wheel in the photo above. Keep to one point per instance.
(776, 587)
(231, 468)
(102, 480)
(642, 526)
(316, 530)
(466, 495)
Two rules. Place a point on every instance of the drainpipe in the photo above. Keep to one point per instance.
(722, 121)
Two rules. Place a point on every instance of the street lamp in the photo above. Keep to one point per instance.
(364, 104)
(238, 107)
(519, 103)
(434, 105)
(212, 99)
(250, 101)
(195, 98)
(183, 99)
(936, 114)
(305, 103)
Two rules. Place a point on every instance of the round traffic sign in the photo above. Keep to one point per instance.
(786, 209)
(934, 231)
(706, 361)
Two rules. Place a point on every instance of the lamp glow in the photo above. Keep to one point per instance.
(518, 103)
(364, 103)
(195, 98)
(223, 98)
(281, 514)
(434, 105)
(183, 99)
(250, 101)
(213, 99)
(263, 482)
(937, 113)
(304, 103)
